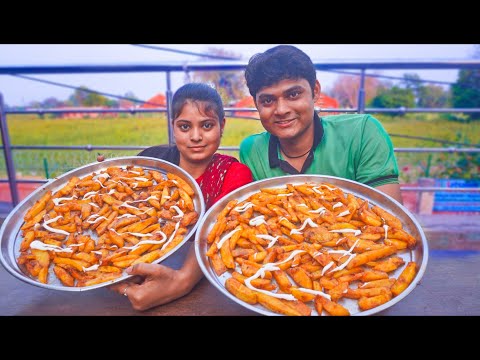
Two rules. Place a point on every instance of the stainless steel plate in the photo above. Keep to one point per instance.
(10, 234)
(375, 197)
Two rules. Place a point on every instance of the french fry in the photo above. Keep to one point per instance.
(405, 278)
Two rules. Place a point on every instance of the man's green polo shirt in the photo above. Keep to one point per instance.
(353, 146)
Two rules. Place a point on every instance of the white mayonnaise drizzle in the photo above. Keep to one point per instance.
(227, 236)
(127, 215)
(350, 257)
(338, 204)
(299, 230)
(96, 220)
(172, 236)
(257, 221)
(328, 266)
(288, 194)
(91, 268)
(386, 230)
(58, 231)
(146, 242)
(320, 210)
(270, 238)
(271, 267)
(317, 190)
(37, 244)
(346, 212)
(315, 292)
(178, 210)
(89, 195)
(244, 207)
(59, 200)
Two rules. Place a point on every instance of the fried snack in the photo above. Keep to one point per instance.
(310, 248)
(94, 227)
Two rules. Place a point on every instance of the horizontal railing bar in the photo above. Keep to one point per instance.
(433, 188)
(230, 65)
(230, 109)
(402, 188)
(90, 147)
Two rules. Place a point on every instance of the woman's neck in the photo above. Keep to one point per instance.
(195, 169)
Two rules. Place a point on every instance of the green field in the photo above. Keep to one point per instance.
(150, 130)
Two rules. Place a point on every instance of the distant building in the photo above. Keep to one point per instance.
(79, 115)
(157, 101)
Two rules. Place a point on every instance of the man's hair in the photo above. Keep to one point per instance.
(198, 92)
(276, 64)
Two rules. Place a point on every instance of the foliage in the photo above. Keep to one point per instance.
(345, 90)
(466, 91)
(393, 98)
(229, 84)
(433, 96)
(83, 96)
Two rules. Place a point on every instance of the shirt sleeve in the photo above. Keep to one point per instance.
(237, 175)
(377, 164)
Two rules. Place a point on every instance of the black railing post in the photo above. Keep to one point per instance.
(169, 95)
(12, 178)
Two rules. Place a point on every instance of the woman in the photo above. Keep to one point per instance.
(198, 123)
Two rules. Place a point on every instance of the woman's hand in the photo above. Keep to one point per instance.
(154, 285)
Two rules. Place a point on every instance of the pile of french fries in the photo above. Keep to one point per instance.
(307, 248)
(94, 227)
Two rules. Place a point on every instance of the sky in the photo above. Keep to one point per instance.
(18, 92)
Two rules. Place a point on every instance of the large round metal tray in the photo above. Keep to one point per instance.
(375, 197)
(10, 234)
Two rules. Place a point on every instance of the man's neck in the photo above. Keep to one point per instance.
(299, 145)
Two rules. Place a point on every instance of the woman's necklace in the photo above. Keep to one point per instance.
(294, 157)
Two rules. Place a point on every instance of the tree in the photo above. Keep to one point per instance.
(83, 96)
(394, 97)
(428, 96)
(345, 90)
(229, 84)
(433, 96)
(466, 90)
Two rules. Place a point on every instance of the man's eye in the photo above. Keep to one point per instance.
(294, 94)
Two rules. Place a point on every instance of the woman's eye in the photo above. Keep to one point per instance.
(184, 127)
(208, 125)
(267, 101)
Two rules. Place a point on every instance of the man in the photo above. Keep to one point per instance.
(283, 84)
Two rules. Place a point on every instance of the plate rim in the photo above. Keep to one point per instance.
(420, 271)
(35, 195)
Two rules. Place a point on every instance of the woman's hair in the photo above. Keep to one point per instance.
(277, 64)
(198, 92)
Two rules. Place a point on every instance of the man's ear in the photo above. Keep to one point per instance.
(222, 125)
(316, 91)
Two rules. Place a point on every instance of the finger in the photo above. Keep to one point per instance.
(120, 287)
(144, 269)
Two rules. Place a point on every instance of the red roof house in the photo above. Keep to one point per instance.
(157, 101)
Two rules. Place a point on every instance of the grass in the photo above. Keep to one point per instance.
(148, 130)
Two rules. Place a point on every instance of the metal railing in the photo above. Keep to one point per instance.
(169, 67)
